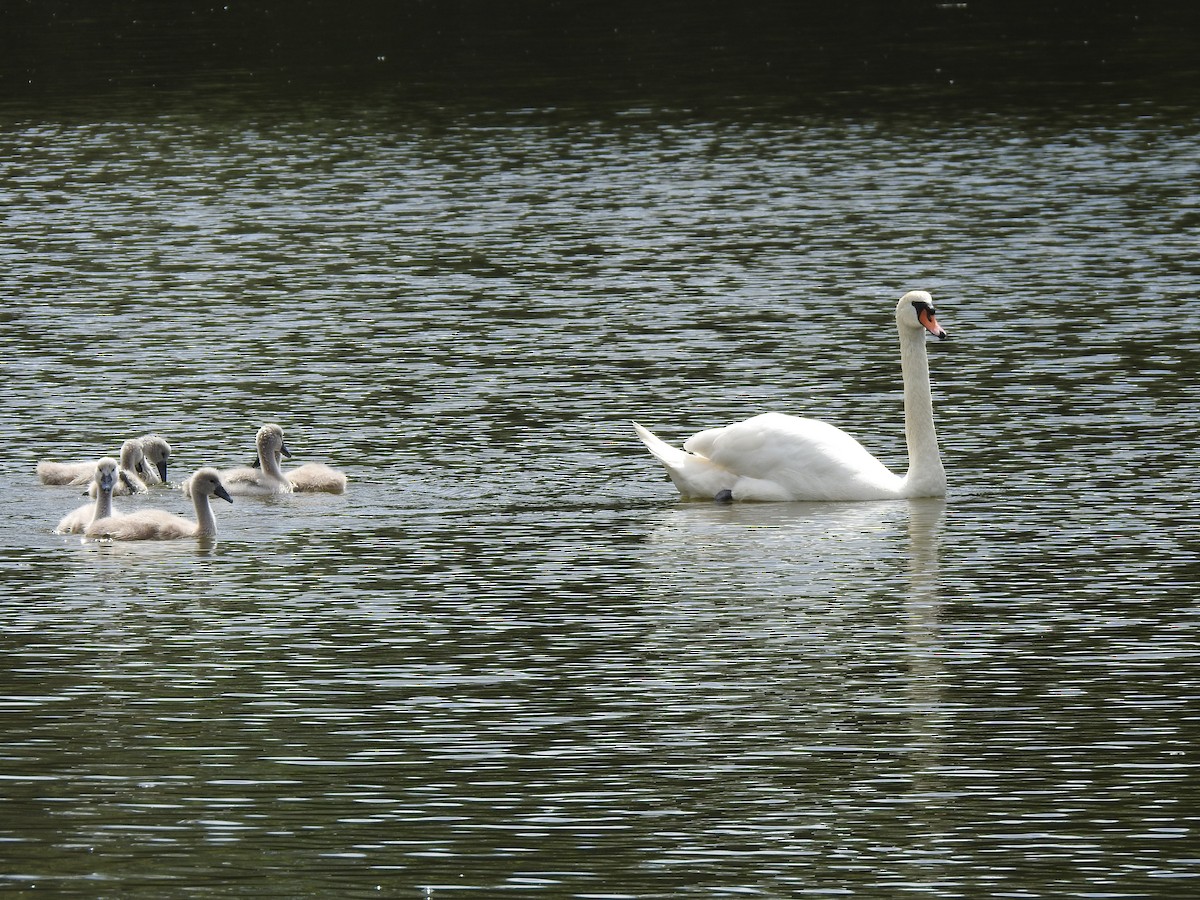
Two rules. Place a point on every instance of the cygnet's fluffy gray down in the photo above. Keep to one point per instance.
(129, 480)
(51, 472)
(316, 477)
(73, 473)
(249, 481)
(78, 519)
(158, 525)
(309, 478)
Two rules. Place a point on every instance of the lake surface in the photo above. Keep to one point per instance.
(509, 661)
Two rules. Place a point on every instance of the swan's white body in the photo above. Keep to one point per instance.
(74, 522)
(160, 525)
(780, 457)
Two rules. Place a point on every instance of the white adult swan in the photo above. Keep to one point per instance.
(160, 525)
(780, 457)
(105, 477)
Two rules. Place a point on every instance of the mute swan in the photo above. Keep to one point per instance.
(780, 457)
(272, 479)
(78, 519)
(50, 472)
(249, 481)
(133, 461)
(157, 452)
(157, 524)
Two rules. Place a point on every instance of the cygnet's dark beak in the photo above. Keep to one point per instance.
(107, 481)
(125, 478)
(285, 451)
(162, 470)
(222, 493)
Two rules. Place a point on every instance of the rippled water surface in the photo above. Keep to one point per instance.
(509, 660)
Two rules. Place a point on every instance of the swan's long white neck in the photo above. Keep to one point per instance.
(925, 477)
(205, 520)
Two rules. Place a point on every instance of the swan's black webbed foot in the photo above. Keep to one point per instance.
(725, 496)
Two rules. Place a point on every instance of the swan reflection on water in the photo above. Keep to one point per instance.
(789, 550)
(813, 628)
(802, 590)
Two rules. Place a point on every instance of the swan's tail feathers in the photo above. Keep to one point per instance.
(663, 452)
(693, 475)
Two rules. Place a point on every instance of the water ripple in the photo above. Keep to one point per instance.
(509, 652)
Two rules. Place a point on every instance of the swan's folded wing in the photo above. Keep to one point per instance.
(806, 457)
(701, 443)
(762, 445)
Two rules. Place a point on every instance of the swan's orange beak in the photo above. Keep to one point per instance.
(929, 320)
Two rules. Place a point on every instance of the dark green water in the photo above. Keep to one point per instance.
(509, 661)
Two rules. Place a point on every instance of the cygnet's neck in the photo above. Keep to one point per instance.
(103, 503)
(206, 522)
(269, 460)
(925, 477)
(131, 455)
